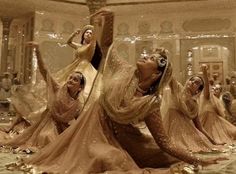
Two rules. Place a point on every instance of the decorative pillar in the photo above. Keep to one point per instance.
(6, 22)
(189, 63)
(95, 5)
(103, 28)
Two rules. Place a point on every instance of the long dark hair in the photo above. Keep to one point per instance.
(97, 57)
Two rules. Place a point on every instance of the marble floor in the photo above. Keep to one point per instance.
(224, 167)
(7, 158)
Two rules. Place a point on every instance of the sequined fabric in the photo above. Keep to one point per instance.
(29, 99)
(61, 109)
(178, 120)
(217, 127)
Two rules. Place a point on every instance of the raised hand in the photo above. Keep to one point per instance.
(32, 44)
(204, 67)
(210, 161)
(217, 143)
(77, 31)
(102, 12)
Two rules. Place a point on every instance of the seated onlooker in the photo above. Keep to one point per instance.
(6, 84)
(15, 80)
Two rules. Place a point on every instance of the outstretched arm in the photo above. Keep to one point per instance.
(184, 98)
(175, 86)
(107, 30)
(155, 125)
(70, 40)
(114, 61)
(104, 19)
(206, 90)
(42, 68)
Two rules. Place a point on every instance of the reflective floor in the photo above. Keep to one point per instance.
(224, 167)
(6, 158)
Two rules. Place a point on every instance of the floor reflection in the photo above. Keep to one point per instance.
(224, 167)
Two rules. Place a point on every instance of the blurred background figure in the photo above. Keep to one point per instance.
(230, 107)
(6, 84)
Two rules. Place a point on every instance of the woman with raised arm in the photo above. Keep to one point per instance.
(62, 107)
(88, 57)
(229, 105)
(212, 114)
(130, 95)
(88, 53)
(182, 115)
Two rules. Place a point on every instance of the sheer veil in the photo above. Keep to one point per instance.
(31, 99)
(89, 136)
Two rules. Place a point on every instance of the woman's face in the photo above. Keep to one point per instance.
(216, 90)
(87, 36)
(193, 85)
(74, 82)
(227, 98)
(148, 65)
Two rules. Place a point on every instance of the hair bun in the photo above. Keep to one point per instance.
(162, 51)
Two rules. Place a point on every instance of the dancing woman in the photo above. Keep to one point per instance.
(62, 107)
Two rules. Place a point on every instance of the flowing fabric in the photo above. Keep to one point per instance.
(212, 119)
(178, 120)
(28, 111)
(83, 57)
(96, 150)
(229, 105)
(233, 112)
(3, 136)
(90, 137)
(118, 98)
(61, 109)
(29, 99)
(14, 128)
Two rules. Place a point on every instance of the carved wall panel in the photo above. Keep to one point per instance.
(208, 50)
(123, 51)
(211, 24)
(123, 29)
(144, 27)
(47, 25)
(143, 46)
(55, 56)
(166, 27)
(68, 27)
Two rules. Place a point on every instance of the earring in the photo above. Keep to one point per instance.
(161, 62)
